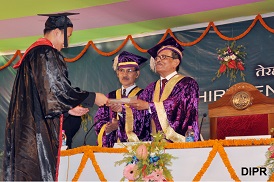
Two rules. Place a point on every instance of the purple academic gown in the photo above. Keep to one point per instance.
(175, 110)
(128, 129)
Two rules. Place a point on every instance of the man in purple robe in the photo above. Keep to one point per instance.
(171, 102)
(114, 126)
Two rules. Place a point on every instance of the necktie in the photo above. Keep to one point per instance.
(163, 85)
(124, 93)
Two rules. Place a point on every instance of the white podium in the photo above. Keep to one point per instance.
(187, 165)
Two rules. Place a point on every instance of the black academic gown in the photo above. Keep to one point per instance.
(41, 93)
(71, 125)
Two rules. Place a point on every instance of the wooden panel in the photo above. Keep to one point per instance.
(260, 104)
(231, 111)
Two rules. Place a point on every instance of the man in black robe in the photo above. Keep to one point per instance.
(41, 94)
(71, 125)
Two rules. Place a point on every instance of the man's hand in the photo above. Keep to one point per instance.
(78, 111)
(111, 126)
(139, 104)
(100, 99)
(116, 107)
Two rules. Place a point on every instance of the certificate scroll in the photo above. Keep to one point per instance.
(122, 100)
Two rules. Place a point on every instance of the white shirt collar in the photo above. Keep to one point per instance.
(129, 88)
(170, 75)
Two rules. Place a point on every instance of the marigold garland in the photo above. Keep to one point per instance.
(81, 167)
(217, 146)
(271, 177)
(227, 163)
(207, 163)
(97, 167)
(168, 31)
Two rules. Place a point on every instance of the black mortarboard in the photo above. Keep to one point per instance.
(168, 44)
(127, 59)
(59, 20)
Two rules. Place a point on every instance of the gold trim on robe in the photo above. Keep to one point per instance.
(129, 121)
(132, 137)
(100, 135)
(159, 106)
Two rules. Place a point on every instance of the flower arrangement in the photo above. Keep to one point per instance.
(232, 61)
(147, 161)
(269, 163)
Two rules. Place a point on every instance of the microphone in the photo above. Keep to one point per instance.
(204, 115)
(106, 112)
(85, 139)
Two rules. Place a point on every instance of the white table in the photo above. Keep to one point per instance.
(188, 164)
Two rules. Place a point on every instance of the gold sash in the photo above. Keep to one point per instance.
(162, 116)
(100, 135)
(132, 137)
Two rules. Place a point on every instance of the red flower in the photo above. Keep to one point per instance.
(222, 68)
(231, 59)
(232, 64)
(272, 155)
(143, 169)
(240, 66)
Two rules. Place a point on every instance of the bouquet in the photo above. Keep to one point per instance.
(147, 161)
(269, 163)
(231, 59)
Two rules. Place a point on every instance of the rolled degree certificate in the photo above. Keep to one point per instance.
(122, 100)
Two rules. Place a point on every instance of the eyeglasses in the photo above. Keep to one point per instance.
(126, 71)
(161, 57)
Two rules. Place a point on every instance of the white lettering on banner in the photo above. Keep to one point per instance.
(267, 90)
(264, 71)
(207, 96)
(210, 98)
(221, 93)
(258, 87)
(204, 96)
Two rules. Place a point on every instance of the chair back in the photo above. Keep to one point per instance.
(242, 111)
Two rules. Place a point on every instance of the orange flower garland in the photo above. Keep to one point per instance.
(207, 163)
(168, 31)
(97, 167)
(81, 167)
(226, 161)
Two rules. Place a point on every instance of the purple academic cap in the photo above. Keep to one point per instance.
(168, 44)
(127, 59)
